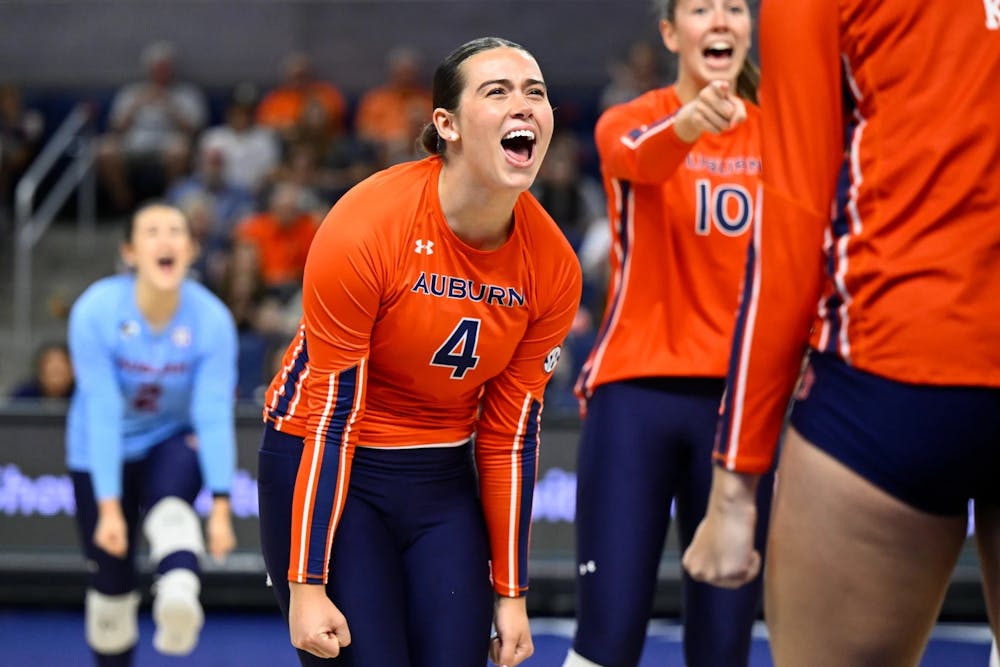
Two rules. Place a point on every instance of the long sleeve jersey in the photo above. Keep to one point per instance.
(135, 387)
(879, 237)
(412, 338)
(679, 213)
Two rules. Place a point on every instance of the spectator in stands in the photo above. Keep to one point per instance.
(251, 151)
(301, 166)
(279, 238)
(231, 203)
(151, 126)
(573, 199)
(264, 321)
(387, 114)
(20, 132)
(326, 161)
(52, 377)
(212, 263)
(282, 108)
(638, 73)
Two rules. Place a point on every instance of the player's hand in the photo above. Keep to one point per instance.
(314, 622)
(716, 109)
(221, 536)
(111, 532)
(512, 644)
(722, 552)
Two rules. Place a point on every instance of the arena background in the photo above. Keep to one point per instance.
(93, 43)
(61, 52)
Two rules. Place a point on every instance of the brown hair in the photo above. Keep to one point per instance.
(150, 204)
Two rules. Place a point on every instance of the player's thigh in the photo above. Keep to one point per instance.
(449, 594)
(629, 461)
(171, 468)
(988, 542)
(366, 585)
(854, 576)
(717, 621)
(631, 455)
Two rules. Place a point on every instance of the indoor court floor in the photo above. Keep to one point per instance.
(43, 637)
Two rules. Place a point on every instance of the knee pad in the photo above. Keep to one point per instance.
(177, 612)
(171, 525)
(111, 621)
(574, 659)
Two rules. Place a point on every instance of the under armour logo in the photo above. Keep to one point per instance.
(428, 246)
(992, 8)
(589, 567)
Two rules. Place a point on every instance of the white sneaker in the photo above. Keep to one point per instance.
(177, 612)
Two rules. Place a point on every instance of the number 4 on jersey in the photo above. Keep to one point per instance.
(459, 350)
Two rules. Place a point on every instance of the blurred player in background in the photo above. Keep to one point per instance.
(436, 295)
(681, 168)
(896, 422)
(150, 422)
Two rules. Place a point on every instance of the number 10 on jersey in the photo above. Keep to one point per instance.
(728, 207)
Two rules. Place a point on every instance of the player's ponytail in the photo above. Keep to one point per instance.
(430, 140)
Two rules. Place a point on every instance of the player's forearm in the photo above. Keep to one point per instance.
(221, 505)
(503, 497)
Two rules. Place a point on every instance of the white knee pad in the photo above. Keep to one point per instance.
(994, 655)
(177, 612)
(171, 525)
(111, 621)
(574, 659)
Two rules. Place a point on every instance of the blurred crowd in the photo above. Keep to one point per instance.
(257, 183)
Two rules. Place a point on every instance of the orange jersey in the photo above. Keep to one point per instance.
(386, 113)
(281, 248)
(414, 339)
(285, 106)
(678, 215)
(894, 232)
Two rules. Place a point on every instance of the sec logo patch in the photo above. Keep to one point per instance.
(552, 358)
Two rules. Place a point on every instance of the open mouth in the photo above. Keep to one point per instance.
(165, 262)
(519, 146)
(721, 54)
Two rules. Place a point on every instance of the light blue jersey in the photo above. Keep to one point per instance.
(136, 387)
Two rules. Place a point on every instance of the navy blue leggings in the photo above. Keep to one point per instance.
(409, 567)
(168, 469)
(644, 443)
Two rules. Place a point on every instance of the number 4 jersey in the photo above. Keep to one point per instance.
(679, 214)
(414, 339)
